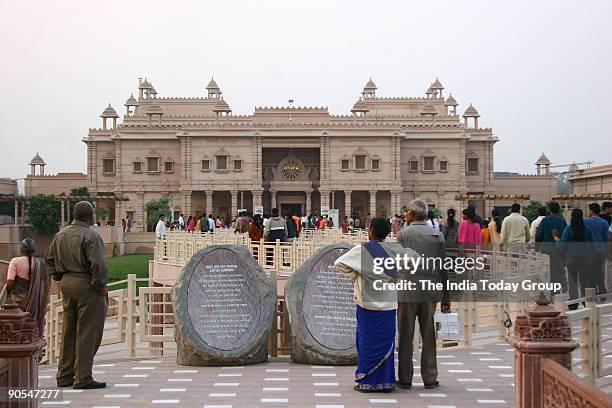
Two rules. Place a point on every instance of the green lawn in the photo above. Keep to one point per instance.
(120, 266)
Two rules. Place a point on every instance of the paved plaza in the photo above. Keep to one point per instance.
(478, 376)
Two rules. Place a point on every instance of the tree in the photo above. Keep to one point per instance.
(531, 211)
(44, 214)
(155, 208)
(80, 192)
(101, 213)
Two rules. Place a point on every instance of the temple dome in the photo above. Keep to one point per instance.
(145, 84)
(543, 160)
(212, 85)
(471, 112)
(37, 160)
(450, 101)
(360, 106)
(429, 109)
(109, 112)
(370, 86)
(154, 109)
(222, 106)
(131, 101)
(437, 85)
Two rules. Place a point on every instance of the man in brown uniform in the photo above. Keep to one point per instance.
(76, 256)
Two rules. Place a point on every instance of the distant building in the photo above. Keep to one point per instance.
(37, 182)
(387, 151)
(8, 186)
(591, 180)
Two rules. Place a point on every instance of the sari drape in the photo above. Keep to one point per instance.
(32, 295)
(375, 349)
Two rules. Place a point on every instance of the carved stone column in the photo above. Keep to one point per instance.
(62, 211)
(257, 199)
(373, 203)
(308, 202)
(16, 211)
(234, 212)
(542, 334)
(141, 213)
(324, 198)
(209, 202)
(273, 199)
(347, 203)
(20, 346)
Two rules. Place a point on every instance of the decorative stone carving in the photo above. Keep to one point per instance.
(542, 334)
(322, 310)
(224, 306)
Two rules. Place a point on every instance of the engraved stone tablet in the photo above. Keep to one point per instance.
(224, 305)
(322, 310)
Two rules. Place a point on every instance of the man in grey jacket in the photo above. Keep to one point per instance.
(421, 304)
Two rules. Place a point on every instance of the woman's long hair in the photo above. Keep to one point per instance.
(577, 224)
(28, 246)
(470, 214)
(450, 213)
(498, 223)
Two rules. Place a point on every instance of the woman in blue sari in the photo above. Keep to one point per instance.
(376, 309)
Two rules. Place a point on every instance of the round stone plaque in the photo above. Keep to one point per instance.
(224, 306)
(322, 310)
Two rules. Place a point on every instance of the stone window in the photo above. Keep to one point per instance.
(413, 164)
(137, 167)
(345, 164)
(472, 164)
(169, 166)
(222, 162)
(152, 164)
(443, 165)
(238, 165)
(205, 165)
(428, 164)
(360, 162)
(108, 166)
(375, 164)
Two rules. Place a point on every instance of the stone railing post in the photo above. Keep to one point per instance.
(21, 348)
(541, 334)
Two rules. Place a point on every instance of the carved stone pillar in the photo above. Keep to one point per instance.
(308, 202)
(62, 211)
(118, 213)
(209, 202)
(16, 212)
(141, 216)
(324, 197)
(347, 203)
(234, 212)
(542, 334)
(20, 346)
(373, 203)
(273, 199)
(186, 203)
(257, 199)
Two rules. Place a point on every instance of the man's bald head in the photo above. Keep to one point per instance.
(83, 211)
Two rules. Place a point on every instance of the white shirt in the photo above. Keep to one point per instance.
(534, 227)
(160, 228)
(211, 224)
(433, 223)
(181, 222)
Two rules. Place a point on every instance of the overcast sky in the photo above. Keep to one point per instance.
(537, 71)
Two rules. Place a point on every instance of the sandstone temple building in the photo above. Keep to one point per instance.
(373, 159)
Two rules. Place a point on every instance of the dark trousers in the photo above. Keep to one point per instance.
(598, 272)
(557, 269)
(83, 327)
(408, 312)
(578, 271)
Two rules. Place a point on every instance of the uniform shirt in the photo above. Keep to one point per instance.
(78, 249)
(19, 266)
(547, 225)
(515, 229)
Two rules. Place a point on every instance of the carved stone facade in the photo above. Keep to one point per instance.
(386, 152)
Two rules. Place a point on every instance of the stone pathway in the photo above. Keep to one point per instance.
(474, 377)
